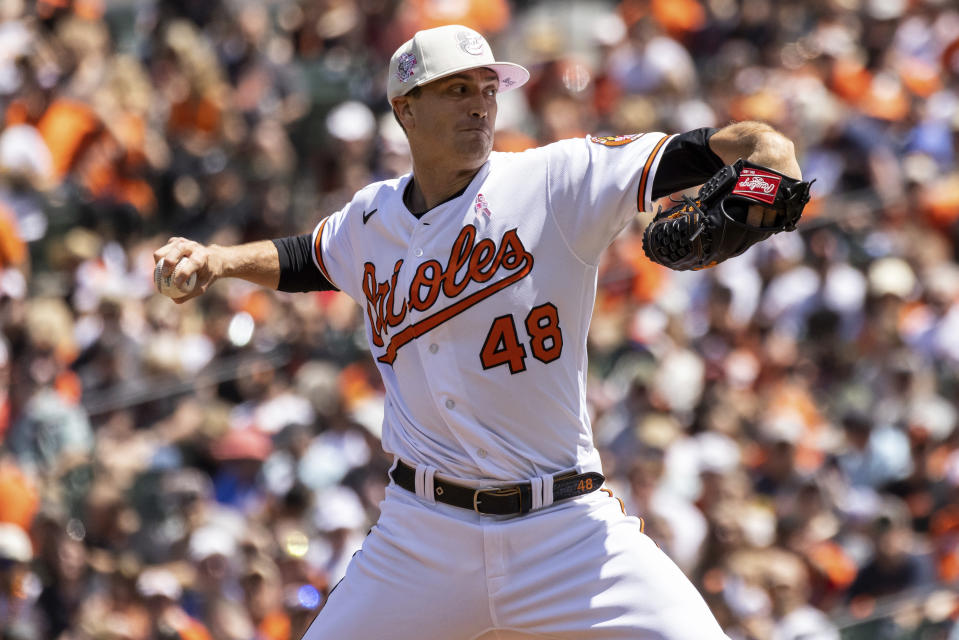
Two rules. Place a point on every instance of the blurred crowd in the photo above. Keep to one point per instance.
(784, 423)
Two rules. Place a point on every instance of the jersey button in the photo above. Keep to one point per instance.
(434, 348)
(418, 253)
(450, 404)
(481, 453)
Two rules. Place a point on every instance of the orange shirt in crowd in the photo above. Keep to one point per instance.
(193, 630)
(13, 251)
(71, 128)
(66, 127)
(275, 626)
(196, 114)
(486, 16)
(18, 497)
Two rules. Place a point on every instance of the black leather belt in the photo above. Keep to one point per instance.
(498, 501)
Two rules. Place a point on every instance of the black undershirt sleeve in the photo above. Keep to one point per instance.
(686, 162)
(298, 272)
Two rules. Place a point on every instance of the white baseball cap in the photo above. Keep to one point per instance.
(436, 53)
(15, 543)
(156, 581)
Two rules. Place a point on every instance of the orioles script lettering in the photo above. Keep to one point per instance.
(469, 261)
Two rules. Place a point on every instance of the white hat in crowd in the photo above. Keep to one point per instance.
(211, 540)
(436, 53)
(14, 543)
(156, 581)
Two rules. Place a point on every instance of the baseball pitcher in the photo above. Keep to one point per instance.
(477, 274)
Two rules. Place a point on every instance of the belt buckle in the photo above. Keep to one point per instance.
(502, 492)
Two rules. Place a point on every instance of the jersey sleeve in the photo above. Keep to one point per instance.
(333, 252)
(687, 160)
(597, 184)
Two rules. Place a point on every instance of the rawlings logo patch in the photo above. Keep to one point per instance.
(758, 185)
(470, 43)
(404, 67)
(616, 141)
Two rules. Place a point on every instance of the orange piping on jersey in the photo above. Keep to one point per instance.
(641, 196)
(317, 249)
(622, 505)
(431, 322)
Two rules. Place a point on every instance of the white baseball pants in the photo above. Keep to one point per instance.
(577, 570)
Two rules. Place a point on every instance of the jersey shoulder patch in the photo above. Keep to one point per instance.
(616, 141)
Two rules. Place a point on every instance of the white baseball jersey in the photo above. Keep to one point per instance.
(477, 311)
(477, 314)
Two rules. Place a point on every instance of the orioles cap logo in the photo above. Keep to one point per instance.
(470, 43)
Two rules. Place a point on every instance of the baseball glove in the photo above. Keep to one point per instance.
(702, 232)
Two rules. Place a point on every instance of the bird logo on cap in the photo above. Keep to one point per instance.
(471, 43)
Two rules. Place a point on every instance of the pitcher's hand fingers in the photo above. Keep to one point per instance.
(760, 216)
(171, 253)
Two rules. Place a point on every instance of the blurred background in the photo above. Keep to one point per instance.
(785, 423)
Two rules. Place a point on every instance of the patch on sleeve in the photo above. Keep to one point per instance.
(616, 141)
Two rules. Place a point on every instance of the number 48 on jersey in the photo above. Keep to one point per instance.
(503, 346)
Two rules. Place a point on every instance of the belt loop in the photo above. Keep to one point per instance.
(424, 482)
(536, 484)
(547, 481)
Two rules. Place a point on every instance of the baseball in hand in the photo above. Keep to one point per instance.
(165, 284)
